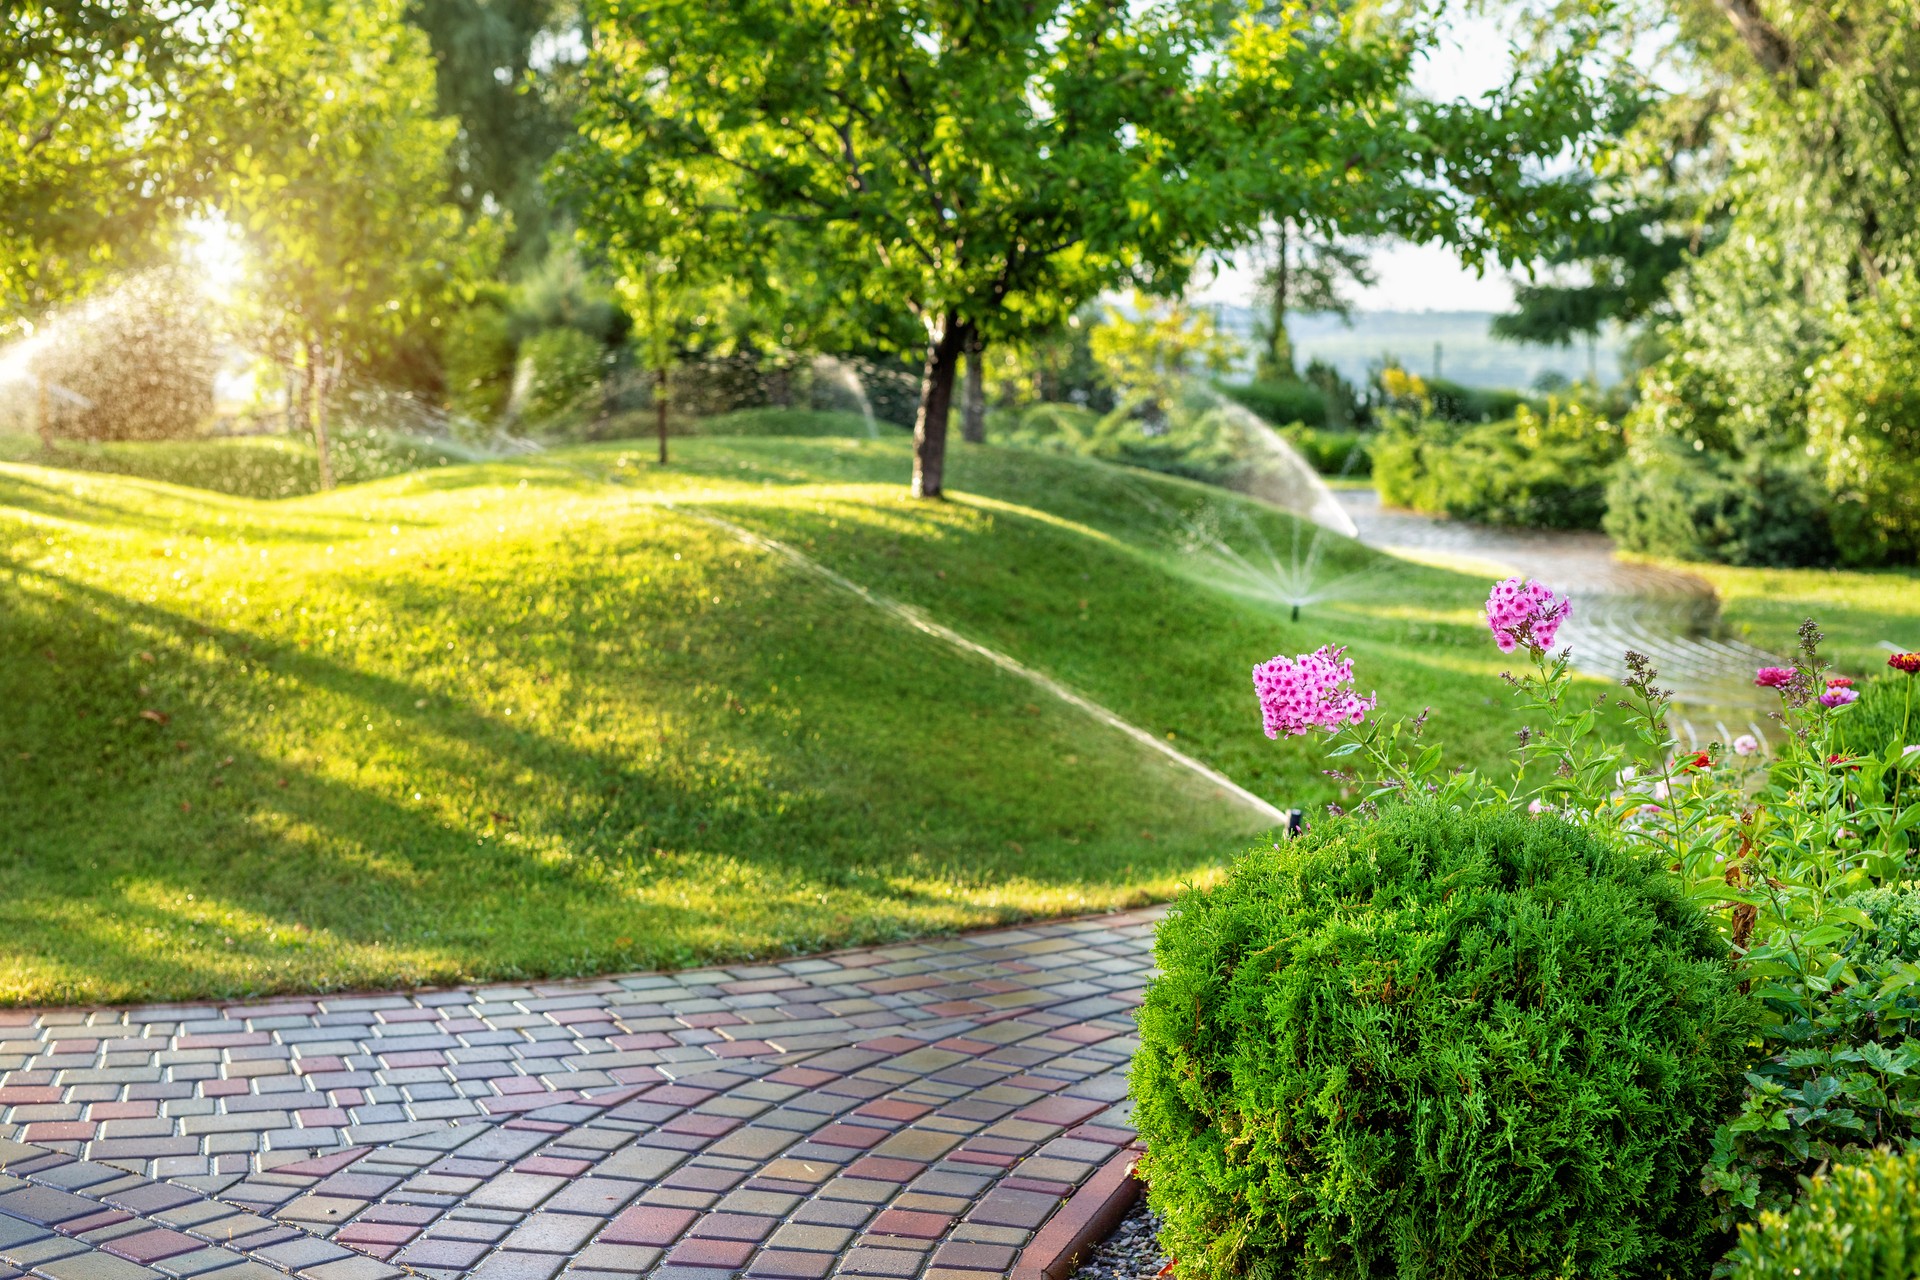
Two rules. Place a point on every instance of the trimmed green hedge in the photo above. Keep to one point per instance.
(1437, 1044)
(1859, 1222)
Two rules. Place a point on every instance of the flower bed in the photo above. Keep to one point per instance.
(1586, 1017)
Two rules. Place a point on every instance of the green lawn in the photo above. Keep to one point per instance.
(1860, 612)
(528, 719)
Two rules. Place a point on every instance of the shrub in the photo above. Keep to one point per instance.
(1435, 1044)
(1281, 402)
(1534, 471)
(1863, 415)
(1757, 510)
(1858, 1222)
(1843, 1072)
(1457, 402)
(1195, 440)
(1331, 453)
(558, 373)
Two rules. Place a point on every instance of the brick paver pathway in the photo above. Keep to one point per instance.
(907, 1111)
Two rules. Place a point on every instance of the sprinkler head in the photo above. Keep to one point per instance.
(1296, 613)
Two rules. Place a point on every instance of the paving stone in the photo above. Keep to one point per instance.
(782, 1264)
(518, 1266)
(95, 1266)
(351, 1269)
(867, 1260)
(648, 1225)
(150, 1246)
(652, 1124)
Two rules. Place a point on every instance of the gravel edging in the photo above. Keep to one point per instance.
(1132, 1252)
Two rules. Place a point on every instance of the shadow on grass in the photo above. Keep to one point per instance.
(682, 807)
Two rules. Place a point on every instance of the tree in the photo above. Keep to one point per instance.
(1818, 108)
(987, 166)
(99, 153)
(1307, 275)
(339, 182)
(1149, 350)
(507, 70)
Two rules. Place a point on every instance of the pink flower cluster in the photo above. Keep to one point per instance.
(1521, 612)
(1773, 677)
(1311, 691)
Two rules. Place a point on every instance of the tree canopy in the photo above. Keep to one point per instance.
(104, 141)
(988, 167)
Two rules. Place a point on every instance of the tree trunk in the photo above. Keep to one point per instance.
(1279, 354)
(936, 401)
(1763, 40)
(314, 394)
(660, 409)
(973, 402)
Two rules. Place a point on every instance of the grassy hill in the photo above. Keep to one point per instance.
(538, 717)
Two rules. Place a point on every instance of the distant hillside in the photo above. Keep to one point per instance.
(1468, 352)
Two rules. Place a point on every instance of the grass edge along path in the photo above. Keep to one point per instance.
(218, 847)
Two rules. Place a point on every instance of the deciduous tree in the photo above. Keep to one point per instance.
(339, 182)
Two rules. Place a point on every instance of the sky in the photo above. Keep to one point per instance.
(1473, 58)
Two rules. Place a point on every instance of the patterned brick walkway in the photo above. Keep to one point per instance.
(908, 1111)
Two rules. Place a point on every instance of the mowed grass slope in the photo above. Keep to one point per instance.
(538, 718)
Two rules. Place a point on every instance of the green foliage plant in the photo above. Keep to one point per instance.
(1758, 509)
(1774, 845)
(1330, 452)
(1441, 1042)
(1856, 1222)
(86, 193)
(559, 371)
(338, 181)
(1541, 470)
(1281, 401)
(1863, 419)
(989, 168)
(256, 466)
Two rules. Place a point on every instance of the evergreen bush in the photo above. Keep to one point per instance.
(1437, 1044)
(1857, 1222)
(1756, 510)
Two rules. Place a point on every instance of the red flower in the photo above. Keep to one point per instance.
(1839, 682)
(1697, 761)
(1907, 662)
(1849, 761)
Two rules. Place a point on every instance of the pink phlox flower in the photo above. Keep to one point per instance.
(1538, 807)
(1838, 696)
(1522, 612)
(1773, 677)
(1745, 745)
(1310, 691)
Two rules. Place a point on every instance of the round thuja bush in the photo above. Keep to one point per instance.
(1858, 1222)
(1436, 1044)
